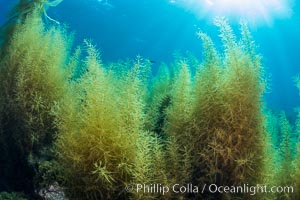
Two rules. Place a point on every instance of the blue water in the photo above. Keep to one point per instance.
(155, 29)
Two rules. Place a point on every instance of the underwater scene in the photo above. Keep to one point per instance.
(149, 99)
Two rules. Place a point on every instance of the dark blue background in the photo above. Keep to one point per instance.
(156, 28)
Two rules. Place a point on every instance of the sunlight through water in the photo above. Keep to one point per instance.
(255, 11)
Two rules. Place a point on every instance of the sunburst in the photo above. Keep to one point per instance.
(256, 11)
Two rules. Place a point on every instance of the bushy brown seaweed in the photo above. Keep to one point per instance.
(96, 130)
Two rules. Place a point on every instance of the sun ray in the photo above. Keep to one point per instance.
(255, 11)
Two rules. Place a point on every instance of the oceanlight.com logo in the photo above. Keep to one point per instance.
(252, 190)
(206, 188)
